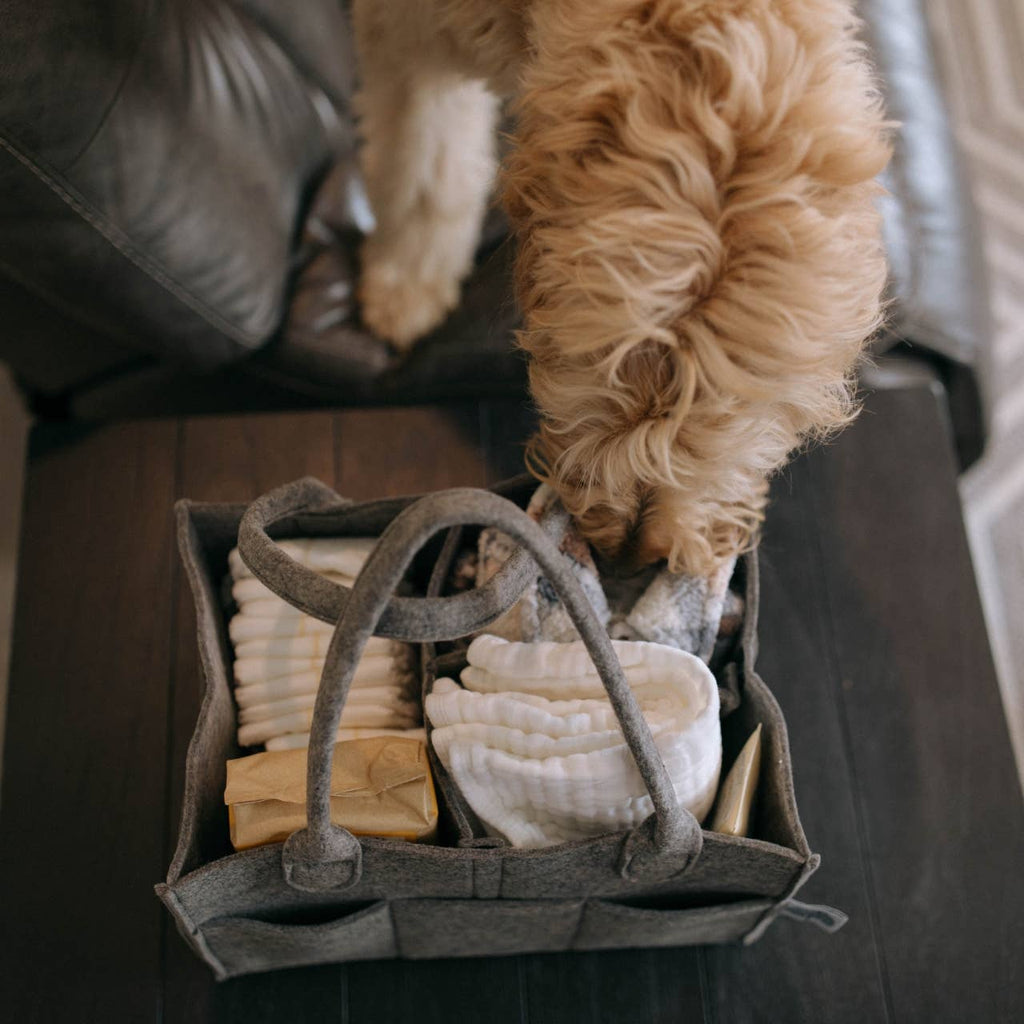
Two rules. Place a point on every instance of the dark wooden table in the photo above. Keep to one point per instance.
(872, 639)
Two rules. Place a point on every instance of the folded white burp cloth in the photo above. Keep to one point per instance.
(372, 668)
(280, 653)
(312, 644)
(244, 626)
(558, 670)
(356, 714)
(391, 700)
(378, 711)
(534, 746)
(293, 740)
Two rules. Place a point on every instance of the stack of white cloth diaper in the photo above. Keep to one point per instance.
(280, 652)
(532, 742)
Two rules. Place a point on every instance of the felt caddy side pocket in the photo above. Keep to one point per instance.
(456, 928)
(612, 924)
(243, 945)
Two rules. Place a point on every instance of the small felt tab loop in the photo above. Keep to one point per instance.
(652, 854)
(827, 918)
(319, 861)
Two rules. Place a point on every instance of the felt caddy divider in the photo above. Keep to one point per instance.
(240, 914)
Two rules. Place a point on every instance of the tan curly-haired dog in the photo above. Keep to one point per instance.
(692, 188)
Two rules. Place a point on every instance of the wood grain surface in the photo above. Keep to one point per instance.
(872, 640)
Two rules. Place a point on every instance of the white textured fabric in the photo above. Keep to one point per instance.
(280, 651)
(558, 670)
(245, 626)
(378, 668)
(294, 740)
(354, 715)
(309, 683)
(542, 769)
(312, 645)
(385, 697)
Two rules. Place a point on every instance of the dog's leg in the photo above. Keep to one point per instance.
(429, 160)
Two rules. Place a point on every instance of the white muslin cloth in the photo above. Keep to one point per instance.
(280, 652)
(534, 746)
(393, 698)
(373, 668)
(294, 740)
(355, 714)
(246, 626)
(310, 645)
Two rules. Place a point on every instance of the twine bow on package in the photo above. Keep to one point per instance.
(530, 862)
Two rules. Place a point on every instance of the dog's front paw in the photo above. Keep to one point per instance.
(400, 307)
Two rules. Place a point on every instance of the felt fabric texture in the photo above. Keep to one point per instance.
(239, 913)
(248, 588)
(329, 556)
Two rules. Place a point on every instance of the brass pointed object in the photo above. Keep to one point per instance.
(735, 798)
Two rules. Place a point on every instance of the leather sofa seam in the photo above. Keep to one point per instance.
(123, 246)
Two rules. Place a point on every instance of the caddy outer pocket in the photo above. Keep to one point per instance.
(430, 928)
(607, 924)
(243, 945)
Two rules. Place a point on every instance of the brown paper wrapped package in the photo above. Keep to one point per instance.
(380, 787)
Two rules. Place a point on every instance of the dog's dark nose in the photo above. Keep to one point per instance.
(625, 544)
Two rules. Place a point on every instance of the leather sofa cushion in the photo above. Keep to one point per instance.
(154, 159)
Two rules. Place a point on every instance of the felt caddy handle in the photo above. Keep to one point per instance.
(325, 856)
(412, 619)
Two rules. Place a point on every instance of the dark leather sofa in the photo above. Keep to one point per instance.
(180, 210)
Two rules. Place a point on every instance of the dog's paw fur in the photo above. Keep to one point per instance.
(399, 307)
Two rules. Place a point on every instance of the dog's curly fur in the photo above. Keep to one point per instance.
(692, 186)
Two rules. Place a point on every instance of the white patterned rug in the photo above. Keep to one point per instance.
(981, 53)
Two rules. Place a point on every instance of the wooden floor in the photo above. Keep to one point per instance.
(872, 639)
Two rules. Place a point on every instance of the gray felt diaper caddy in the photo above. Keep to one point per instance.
(326, 896)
